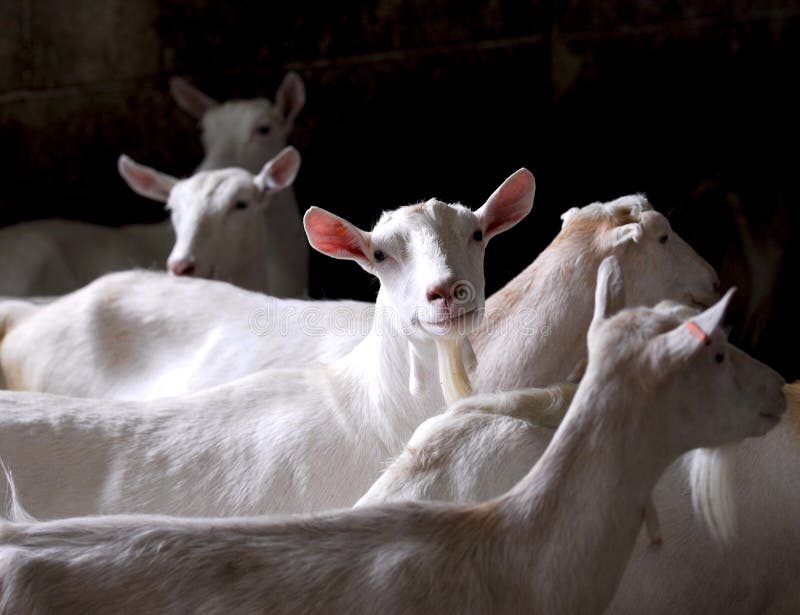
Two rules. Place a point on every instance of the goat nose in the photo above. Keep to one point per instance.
(439, 293)
(183, 266)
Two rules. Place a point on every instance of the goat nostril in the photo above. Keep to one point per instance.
(182, 268)
(436, 292)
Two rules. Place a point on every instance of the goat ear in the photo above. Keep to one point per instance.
(509, 204)
(568, 215)
(279, 173)
(336, 237)
(690, 337)
(189, 98)
(713, 317)
(291, 96)
(621, 235)
(609, 294)
(145, 181)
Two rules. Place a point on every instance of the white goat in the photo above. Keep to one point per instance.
(221, 335)
(532, 337)
(551, 300)
(247, 133)
(476, 450)
(242, 133)
(53, 257)
(218, 218)
(755, 571)
(484, 444)
(279, 440)
(558, 542)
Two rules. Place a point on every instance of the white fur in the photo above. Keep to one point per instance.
(233, 136)
(755, 571)
(15, 511)
(539, 319)
(216, 333)
(710, 477)
(476, 450)
(279, 440)
(452, 371)
(53, 257)
(504, 556)
(550, 302)
(479, 446)
(219, 218)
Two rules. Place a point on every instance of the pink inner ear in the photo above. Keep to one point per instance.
(504, 215)
(284, 167)
(510, 203)
(333, 236)
(145, 180)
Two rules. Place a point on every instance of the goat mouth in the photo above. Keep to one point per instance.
(774, 418)
(450, 319)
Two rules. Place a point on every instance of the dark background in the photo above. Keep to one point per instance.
(693, 103)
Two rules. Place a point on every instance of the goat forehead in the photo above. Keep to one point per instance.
(238, 111)
(623, 210)
(236, 118)
(211, 189)
(432, 222)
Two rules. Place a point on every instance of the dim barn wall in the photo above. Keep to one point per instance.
(689, 102)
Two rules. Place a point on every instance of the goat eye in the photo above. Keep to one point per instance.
(719, 358)
(263, 130)
(477, 235)
(663, 238)
(240, 205)
(379, 255)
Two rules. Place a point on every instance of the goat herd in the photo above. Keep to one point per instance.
(154, 423)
